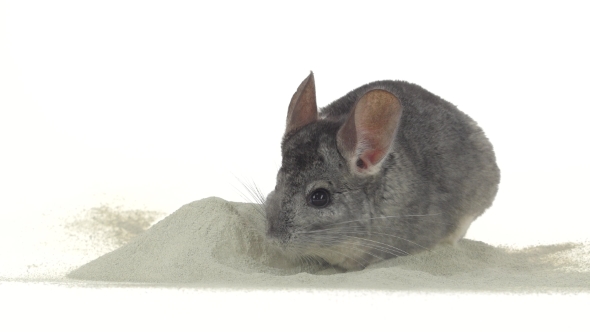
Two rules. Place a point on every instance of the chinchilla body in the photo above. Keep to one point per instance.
(389, 169)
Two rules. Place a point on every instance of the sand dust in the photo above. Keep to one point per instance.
(114, 226)
(215, 243)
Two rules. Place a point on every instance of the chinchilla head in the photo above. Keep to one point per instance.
(331, 169)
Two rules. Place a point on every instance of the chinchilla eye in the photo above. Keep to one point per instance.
(319, 198)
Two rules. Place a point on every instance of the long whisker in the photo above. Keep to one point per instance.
(379, 244)
(355, 238)
(352, 230)
(254, 195)
(339, 253)
(384, 217)
(375, 245)
(306, 262)
(384, 247)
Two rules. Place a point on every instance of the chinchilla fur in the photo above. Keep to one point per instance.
(389, 169)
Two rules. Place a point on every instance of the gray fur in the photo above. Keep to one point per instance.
(440, 172)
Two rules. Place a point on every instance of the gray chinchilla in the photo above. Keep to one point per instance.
(389, 169)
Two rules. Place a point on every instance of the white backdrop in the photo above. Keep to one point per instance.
(154, 104)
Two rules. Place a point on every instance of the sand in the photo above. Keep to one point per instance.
(214, 243)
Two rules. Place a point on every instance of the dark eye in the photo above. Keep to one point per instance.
(319, 198)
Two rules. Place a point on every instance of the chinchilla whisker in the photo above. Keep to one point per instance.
(256, 192)
(247, 198)
(303, 259)
(334, 240)
(303, 262)
(361, 247)
(252, 190)
(310, 264)
(257, 206)
(406, 215)
(259, 194)
(370, 246)
(386, 248)
(339, 253)
(307, 262)
(355, 230)
(374, 218)
(377, 248)
(318, 260)
(378, 244)
(313, 261)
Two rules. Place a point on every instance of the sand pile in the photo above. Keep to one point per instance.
(215, 243)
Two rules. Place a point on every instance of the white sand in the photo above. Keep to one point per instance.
(215, 243)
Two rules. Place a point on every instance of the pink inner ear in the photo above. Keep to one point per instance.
(372, 157)
(369, 131)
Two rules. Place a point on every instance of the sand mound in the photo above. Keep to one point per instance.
(214, 243)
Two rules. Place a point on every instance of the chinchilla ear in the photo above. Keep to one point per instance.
(366, 137)
(303, 109)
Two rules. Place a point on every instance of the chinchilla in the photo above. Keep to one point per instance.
(389, 169)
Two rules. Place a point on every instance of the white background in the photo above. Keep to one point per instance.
(154, 104)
